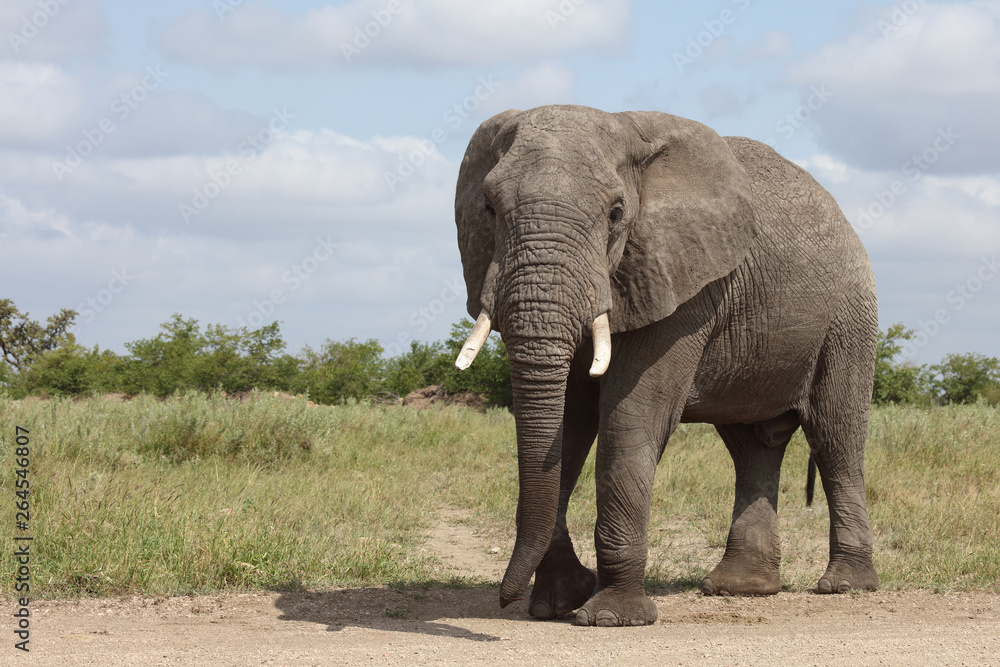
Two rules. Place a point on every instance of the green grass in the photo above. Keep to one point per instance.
(204, 494)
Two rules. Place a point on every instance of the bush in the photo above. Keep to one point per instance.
(182, 357)
(489, 375)
(424, 365)
(64, 371)
(896, 382)
(47, 361)
(341, 371)
(966, 378)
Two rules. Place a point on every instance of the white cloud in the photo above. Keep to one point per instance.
(264, 171)
(927, 237)
(300, 177)
(923, 225)
(901, 77)
(985, 188)
(37, 102)
(16, 218)
(309, 214)
(401, 32)
(940, 50)
(52, 31)
(176, 122)
(131, 115)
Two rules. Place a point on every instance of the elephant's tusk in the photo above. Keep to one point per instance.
(602, 345)
(480, 332)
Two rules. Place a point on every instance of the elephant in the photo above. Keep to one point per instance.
(644, 271)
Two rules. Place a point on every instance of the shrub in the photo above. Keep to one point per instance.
(340, 371)
(488, 375)
(896, 382)
(965, 378)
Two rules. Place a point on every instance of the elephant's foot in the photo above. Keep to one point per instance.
(560, 588)
(742, 576)
(846, 575)
(610, 608)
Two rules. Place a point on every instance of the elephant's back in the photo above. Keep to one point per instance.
(787, 197)
(800, 226)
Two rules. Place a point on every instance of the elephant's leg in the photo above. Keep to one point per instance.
(562, 583)
(836, 429)
(753, 552)
(641, 404)
(624, 488)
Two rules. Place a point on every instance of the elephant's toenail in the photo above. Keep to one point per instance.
(824, 586)
(582, 618)
(707, 588)
(608, 619)
(844, 586)
(541, 610)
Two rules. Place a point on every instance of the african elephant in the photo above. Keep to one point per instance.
(644, 271)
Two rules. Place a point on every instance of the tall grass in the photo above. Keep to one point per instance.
(201, 493)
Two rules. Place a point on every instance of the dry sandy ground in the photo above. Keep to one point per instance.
(380, 626)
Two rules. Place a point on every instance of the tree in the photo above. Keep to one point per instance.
(183, 357)
(339, 371)
(424, 365)
(22, 340)
(964, 378)
(895, 382)
(489, 374)
(69, 370)
(238, 360)
(166, 363)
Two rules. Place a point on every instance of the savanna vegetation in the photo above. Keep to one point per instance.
(202, 493)
(183, 489)
(45, 360)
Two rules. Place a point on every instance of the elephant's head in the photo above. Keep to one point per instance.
(574, 222)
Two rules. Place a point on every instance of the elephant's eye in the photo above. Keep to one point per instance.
(489, 207)
(616, 214)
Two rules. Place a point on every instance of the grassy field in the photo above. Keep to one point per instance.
(202, 494)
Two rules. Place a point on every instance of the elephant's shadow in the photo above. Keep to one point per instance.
(400, 608)
(419, 608)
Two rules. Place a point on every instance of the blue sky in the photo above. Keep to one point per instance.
(240, 162)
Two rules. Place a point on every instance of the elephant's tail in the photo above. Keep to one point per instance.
(811, 480)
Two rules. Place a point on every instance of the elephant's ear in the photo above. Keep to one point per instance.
(475, 232)
(695, 224)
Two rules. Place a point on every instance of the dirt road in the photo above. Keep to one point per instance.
(384, 626)
(449, 626)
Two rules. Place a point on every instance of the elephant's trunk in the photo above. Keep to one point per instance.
(545, 295)
(539, 399)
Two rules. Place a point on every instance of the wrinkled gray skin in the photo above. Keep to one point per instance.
(738, 295)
